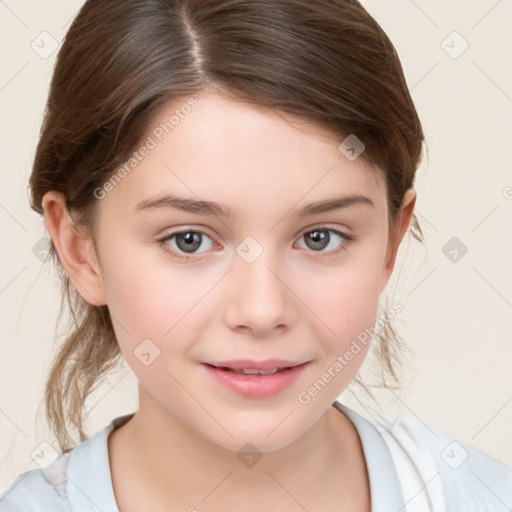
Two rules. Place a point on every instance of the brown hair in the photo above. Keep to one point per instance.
(327, 61)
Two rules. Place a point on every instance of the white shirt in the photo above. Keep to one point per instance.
(411, 468)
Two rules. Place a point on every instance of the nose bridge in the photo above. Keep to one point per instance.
(260, 300)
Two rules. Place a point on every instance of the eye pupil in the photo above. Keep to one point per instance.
(319, 237)
(192, 241)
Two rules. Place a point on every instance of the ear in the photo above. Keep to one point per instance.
(74, 248)
(402, 223)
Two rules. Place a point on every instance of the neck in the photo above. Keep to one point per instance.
(171, 460)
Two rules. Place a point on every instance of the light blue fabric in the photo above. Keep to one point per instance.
(437, 473)
(406, 460)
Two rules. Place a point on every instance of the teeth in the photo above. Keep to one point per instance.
(249, 371)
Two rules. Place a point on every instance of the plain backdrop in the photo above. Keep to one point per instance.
(456, 290)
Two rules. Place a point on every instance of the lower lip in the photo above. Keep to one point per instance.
(256, 386)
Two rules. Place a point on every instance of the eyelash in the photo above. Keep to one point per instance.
(347, 239)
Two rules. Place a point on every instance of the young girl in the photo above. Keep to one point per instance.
(226, 185)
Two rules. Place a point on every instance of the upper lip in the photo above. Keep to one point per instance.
(247, 364)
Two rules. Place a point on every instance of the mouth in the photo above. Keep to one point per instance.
(256, 379)
(250, 367)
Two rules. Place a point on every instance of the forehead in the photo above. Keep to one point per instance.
(242, 154)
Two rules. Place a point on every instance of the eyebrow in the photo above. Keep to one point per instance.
(211, 208)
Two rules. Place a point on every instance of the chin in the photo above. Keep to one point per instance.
(265, 434)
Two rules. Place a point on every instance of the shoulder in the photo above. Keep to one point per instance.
(38, 490)
(76, 480)
(432, 462)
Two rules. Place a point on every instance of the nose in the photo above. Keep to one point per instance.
(260, 301)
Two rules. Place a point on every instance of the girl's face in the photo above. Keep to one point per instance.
(257, 273)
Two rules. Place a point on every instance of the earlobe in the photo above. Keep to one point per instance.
(402, 223)
(74, 249)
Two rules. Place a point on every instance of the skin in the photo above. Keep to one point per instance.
(292, 302)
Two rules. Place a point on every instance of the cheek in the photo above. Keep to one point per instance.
(346, 297)
(150, 299)
(144, 293)
(155, 318)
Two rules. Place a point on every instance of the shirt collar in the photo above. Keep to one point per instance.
(385, 489)
(89, 478)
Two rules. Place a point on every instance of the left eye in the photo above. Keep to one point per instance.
(187, 241)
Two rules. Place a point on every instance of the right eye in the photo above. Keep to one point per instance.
(320, 238)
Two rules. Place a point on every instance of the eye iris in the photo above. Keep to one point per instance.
(188, 242)
(319, 237)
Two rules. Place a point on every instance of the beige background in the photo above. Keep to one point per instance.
(457, 315)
